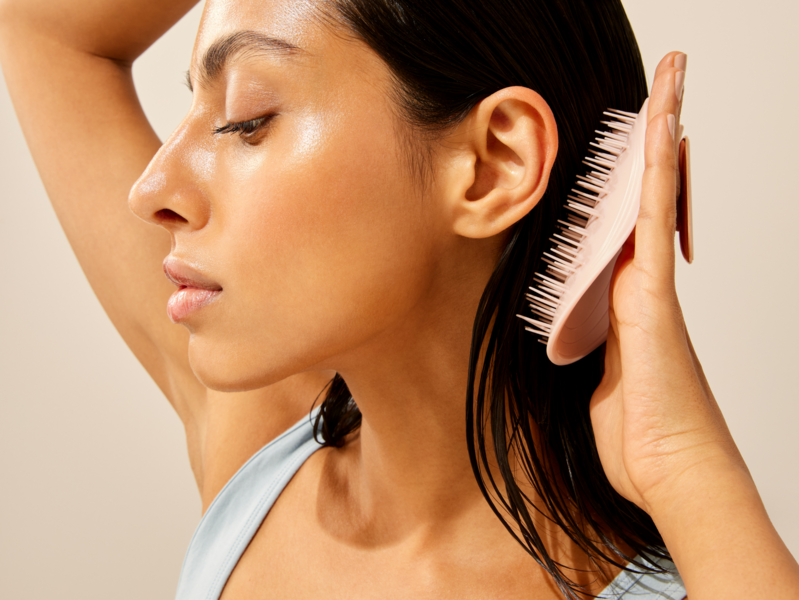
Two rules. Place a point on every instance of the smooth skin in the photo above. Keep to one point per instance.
(331, 256)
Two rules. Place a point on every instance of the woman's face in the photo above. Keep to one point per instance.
(308, 222)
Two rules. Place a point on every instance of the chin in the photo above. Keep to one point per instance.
(219, 381)
(237, 369)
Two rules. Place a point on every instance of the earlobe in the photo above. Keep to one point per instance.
(509, 142)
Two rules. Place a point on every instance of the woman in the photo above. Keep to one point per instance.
(331, 205)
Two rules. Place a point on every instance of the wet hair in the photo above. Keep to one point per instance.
(581, 56)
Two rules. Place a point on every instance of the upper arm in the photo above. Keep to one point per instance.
(90, 141)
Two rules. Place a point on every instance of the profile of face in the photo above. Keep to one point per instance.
(287, 189)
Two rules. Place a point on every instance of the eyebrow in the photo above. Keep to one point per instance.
(233, 45)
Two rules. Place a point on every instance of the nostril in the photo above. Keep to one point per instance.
(169, 216)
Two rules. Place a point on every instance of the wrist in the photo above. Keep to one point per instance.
(704, 485)
(715, 511)
(706, 509)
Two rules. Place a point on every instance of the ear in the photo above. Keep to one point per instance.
(500, 163)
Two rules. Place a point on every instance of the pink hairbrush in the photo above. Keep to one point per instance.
(569, 300)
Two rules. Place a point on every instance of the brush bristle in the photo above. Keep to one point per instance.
(563, 258)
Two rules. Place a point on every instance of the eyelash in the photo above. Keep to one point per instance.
(245, 129)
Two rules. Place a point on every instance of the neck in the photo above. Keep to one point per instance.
(405, 478)
(406, 475)
(407, 469)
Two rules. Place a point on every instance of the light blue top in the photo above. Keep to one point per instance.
(238, 510)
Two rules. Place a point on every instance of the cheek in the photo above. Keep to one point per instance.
(327, 242)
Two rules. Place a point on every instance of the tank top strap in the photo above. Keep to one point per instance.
(236, 513)
(630, 585)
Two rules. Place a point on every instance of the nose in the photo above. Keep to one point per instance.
(172, 192)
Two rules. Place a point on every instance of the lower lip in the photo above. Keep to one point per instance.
(186, 300)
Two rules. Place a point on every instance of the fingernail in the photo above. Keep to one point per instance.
(679, 84)
(681, 61)
(671, 121)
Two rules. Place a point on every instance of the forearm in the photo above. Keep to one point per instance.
(722, 540)
(120, 30)
(72, 89)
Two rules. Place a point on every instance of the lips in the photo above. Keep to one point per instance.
(195, 290)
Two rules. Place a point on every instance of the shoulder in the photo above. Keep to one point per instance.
(236, 514)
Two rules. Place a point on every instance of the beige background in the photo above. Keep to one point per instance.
(97, 499)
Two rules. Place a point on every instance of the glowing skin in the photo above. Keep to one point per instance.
(319, 250)
(330, 255)
(306, 224)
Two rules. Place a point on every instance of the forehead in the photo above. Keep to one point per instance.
(295, 29)
(288, 18)
(295, 22)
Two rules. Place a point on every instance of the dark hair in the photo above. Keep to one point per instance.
(582, 57)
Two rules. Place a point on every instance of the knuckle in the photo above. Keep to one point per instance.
(665, 76)
(664, 217)
(661, 149)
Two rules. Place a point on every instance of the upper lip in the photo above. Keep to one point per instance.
(183, 275)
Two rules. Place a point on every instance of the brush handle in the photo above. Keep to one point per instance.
(685, 221)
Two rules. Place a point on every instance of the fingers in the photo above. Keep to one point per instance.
(657, 218)
(656, 225)
(677, 60)
(670, 75)
(668, 86)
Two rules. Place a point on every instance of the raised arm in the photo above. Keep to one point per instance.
(68, 68)
(660, 434)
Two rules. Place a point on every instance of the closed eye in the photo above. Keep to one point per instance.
(245, 129)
